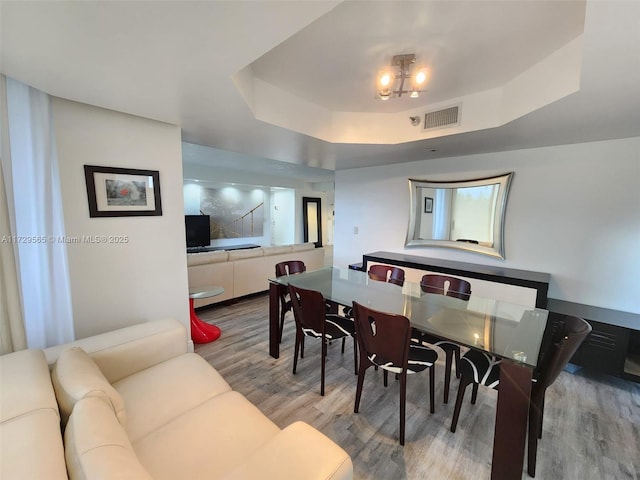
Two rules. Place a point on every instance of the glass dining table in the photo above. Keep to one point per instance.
(510, 331)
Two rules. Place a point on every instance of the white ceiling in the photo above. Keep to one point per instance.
(206, 67)
(469, 46)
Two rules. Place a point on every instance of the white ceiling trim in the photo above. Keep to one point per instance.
(554, 77)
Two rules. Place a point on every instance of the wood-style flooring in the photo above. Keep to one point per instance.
(591, 424)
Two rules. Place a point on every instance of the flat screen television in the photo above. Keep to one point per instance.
(198, 230)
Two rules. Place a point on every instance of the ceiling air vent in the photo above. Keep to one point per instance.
(447, 117)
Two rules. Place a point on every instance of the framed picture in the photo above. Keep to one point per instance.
(122, 192)
(428, 205)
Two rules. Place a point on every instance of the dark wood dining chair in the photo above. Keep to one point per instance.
(386, 273)
(312, 320)
(479, 368)
(384, 340)
(290, 267)
(451, 287)
(381, 273)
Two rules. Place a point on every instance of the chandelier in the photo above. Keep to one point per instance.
(398, 80)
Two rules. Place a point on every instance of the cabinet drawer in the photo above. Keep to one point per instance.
(605, 348)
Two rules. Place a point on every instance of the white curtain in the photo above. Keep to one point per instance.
(12, 334)
(37, 217)
(441, 214)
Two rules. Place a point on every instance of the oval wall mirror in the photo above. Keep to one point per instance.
(467, 215)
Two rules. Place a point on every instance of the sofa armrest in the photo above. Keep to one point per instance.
(128, 350)
(298, 452)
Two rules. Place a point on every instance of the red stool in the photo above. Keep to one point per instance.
(202, 332)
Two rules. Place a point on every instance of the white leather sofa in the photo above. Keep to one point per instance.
(133, 404)
(243, 272)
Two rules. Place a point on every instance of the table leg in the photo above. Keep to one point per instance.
(202, 332)
(274, 317)
(511, 421)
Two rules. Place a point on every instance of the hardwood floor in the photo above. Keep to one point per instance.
(591, 424)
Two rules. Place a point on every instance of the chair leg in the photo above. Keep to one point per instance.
(295, 352)
(432, 387)
(361, 372)
(403, 403)
(385, 377)
(456, 410)
(282, 314)
(355, 355)
(302, 347)
(474, 393)
(343, 341)
(447, 373)
(456, 351)
(324, 355)
(541, 416)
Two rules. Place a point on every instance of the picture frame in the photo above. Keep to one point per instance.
(122, 192)
(428, 205)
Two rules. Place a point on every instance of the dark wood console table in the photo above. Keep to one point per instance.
(522, 278)
(612, 347)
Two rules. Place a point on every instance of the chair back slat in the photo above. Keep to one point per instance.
(308, 308)
(385, 335)
(568, 339)
(386, 273)
(445, 285)
(397, 276)
(290, 267)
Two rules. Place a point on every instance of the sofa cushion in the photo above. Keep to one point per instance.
(301, 247)
(25, 384)
(182, 383)
(120, 352)
(96, 445)
(208, 441)
(29, 419)
(75, 376)
(207, 257)
(31, 447)
(299, 451)
(276, 249)
(246, 253)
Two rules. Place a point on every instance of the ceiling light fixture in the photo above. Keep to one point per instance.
(390, 82)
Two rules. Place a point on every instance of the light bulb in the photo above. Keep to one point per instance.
(414, 94)
(385, 79)
(420, 78)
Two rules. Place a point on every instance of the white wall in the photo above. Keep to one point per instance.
(282, 211)
(573, 211)
(115, 285)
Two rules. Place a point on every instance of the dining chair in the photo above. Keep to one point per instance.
(289, 267)
(479, 368)
(381, 273)
(451, 287)
(385, 341)
(312, 320)
(386, 273)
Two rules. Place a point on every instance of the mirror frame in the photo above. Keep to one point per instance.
(305, 219)
(497, 250)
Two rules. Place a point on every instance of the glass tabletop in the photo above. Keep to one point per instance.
(505, 329)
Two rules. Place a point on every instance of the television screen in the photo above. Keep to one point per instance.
(197, 228)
